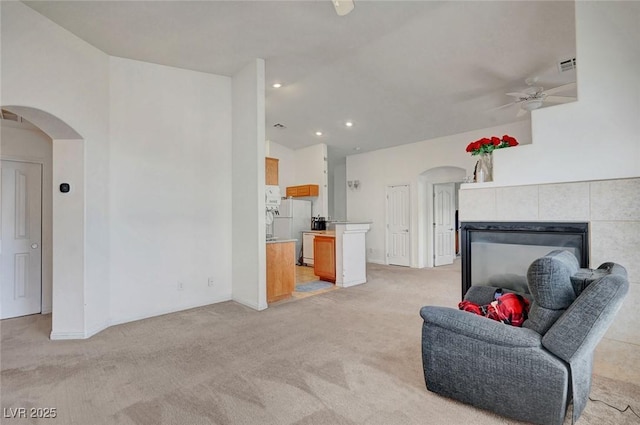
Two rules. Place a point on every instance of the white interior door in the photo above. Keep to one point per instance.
(398, 220)
(444, 207)
(21, 255)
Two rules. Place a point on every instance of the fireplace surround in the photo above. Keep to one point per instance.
(499, 253)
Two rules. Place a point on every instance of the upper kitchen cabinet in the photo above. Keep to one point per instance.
(271, 171)
(304, 190)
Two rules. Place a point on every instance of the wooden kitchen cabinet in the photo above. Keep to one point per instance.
(324, 257)
(303, 190)
(271, 171)
(281, 270)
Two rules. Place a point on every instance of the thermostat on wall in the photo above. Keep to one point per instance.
(65, 187)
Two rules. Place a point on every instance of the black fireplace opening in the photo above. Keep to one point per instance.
(499, 253)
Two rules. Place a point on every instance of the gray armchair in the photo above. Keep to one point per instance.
(530, 373)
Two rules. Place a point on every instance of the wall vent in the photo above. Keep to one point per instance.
(278, 125)
(567, 65)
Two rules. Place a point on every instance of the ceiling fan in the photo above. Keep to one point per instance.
(533, 97)
(343, 6)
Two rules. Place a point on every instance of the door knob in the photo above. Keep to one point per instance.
(34, 245)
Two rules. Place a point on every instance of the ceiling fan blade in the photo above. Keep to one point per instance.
(518, 94)
(503, 106)
(343, 7)
(521, 112)
(560, 99)
(564, 87)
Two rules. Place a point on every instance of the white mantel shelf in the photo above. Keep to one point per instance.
(351, 252)
(464, 186)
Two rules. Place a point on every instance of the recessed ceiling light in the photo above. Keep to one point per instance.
(349, 124)
(276, 85)
(318, 133)
(357, 148)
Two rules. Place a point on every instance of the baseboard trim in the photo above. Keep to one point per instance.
(350, 283)
(162, 312)
(104, 325)
(249, 304)
(377, 262)
(58, 336)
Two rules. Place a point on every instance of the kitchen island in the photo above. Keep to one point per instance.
(345, 244)
(281, 271)
(351, 252)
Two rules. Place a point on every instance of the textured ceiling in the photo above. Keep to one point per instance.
(402, 71)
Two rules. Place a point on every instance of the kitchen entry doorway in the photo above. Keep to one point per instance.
(398, 225)
(21, 255)
(444, 227)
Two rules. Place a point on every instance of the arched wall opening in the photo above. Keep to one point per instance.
(68, 221)
(426, 180)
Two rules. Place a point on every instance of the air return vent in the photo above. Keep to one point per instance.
(567, 65)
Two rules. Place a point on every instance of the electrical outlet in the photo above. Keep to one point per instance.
(210, 281)
(180, 286)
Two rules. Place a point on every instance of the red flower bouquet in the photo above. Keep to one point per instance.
(486, 145)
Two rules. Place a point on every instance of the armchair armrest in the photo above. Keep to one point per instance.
(584, 323)
(480, 328)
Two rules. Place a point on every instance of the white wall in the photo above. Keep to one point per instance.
(403, 165)
(597, 137)
(46, 67)
(248, 208)
(171, 149)
(339, 185)
(170, 190)
(311, 168)
(24, 142)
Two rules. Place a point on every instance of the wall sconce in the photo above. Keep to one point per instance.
(353, 184)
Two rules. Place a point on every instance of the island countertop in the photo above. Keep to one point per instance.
(282, 241)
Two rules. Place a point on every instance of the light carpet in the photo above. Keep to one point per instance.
(350, 356)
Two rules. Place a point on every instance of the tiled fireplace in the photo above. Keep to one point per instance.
(612, 210)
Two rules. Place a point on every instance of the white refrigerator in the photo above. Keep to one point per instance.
(294, 218)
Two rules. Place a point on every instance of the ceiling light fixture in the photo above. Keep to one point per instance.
(318, 133)
(276, 85)
(349, 124)
(532, 104)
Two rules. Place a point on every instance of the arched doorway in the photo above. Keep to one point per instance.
(67, 221)
(426, 182)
